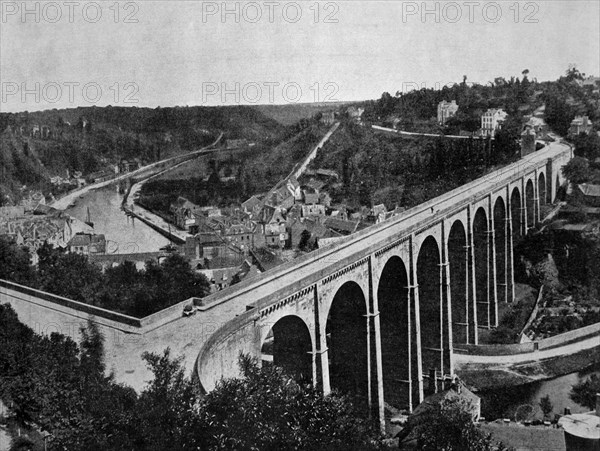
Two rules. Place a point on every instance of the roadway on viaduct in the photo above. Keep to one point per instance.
(351, 315)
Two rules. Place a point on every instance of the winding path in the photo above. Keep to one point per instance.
(559, 351)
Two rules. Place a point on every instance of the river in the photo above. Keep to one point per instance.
(504, 403)
(124, 235)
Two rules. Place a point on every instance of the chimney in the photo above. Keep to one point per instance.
(598, 404)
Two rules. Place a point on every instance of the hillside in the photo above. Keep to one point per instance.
(377, 168)
(253, 171)
(417, 110)
(36, 146)
(292, 113)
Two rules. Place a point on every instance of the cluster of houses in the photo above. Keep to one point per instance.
(71, 181)
(34, 131)
(122, 167)
(266, 230)
(580, 124)
(125, 166)
(591, 81)
(446, 110)
(491, 120)
(33, 223)
(353, 113)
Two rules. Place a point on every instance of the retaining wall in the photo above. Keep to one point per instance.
(522, 348)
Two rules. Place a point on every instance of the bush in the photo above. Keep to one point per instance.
(267, 410)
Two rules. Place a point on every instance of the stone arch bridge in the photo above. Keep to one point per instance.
(377, 314)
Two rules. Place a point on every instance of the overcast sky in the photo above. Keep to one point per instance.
(166, 53)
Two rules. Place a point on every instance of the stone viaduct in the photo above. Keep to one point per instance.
(376, 315)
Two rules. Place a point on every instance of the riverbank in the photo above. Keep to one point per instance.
(480, 376)
(142, 173)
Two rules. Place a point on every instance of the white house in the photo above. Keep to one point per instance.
(492, 120)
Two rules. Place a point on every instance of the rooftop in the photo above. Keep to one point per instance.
(590, 190)
(584, 425)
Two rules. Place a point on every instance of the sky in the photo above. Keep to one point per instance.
(168, 53)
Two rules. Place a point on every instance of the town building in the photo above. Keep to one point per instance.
(310, 196)
(355, 113)
(339, 211)
(588, 194)
(87, 244)
(446, 110)
(43, 225)
(219, 278)
(275, 230)
(209, 250)
(31, 202)
(344, 227)
(328, 117)
(313, 209)
(325, 199)
(220, 241)
(491, 121)
(593, 82)
(246, 270)
(581, 124)
(252, 205)
(100, 176)
(125, 166)
(184, 213)
(378, 213)
(538, 125)
(284, 196)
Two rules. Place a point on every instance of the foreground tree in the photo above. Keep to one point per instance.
(267, 410)
(449, 426)
(168, 407)
(546, 406)
(16, 265)
(577, 170)
(584, 392)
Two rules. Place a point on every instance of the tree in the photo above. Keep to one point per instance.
(449, 426)
(266, 409)
(584, 392)
(304, 244)
(168, 408)
(22, 443)
(559, 113)
(587, 145)
(573, 74)
(577, 170)
(16, 265)
(546, 405)
(68, 274)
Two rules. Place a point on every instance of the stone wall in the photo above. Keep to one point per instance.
(521, 348)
